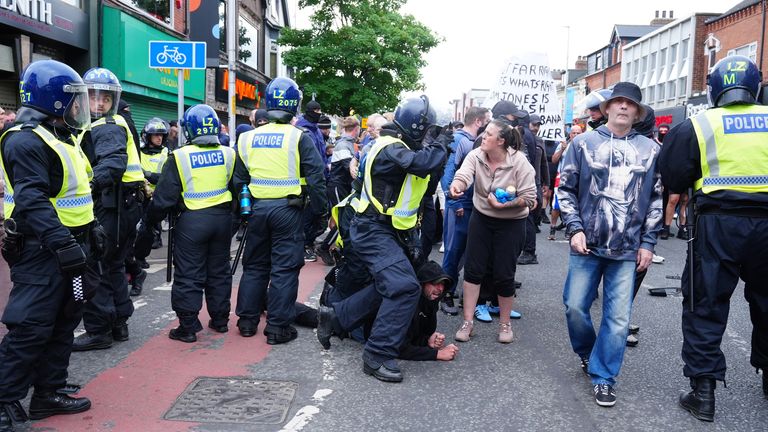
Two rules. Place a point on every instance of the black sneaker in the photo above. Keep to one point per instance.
(765, 383)
(325, 255)
(552, 233)
(605, 395)
(448, 306)
(142, 262)
(664, 233)
(634, 329)
(682, 233)
(137, 284)
(561, 226)
(309, 255)
(527, 258)
(585, 366)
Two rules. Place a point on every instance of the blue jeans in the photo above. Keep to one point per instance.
(455, 242)
(605, 349)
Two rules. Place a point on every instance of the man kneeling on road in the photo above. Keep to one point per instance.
(422, 341)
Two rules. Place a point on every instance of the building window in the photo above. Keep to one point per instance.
(598, 61)
(671, 89)
(711, 58)
(660, 92)
(653, 63)
(248, 39)
(161, 10)
(636, 70)
(648, 95)
(662, 58)
(682, 85)
(749, 50)
(684, 48)
(673, 55)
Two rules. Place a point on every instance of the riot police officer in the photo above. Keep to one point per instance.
(722, 154)
(196, 179)
(48, 199)
(383, 232)
(281, 168)
(118, 184)
(153, 156)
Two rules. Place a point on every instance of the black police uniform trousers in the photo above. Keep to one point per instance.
(273, 256)
(112, 304)
(41, 316)
(201, 259)
(396, 293)
(726, 248)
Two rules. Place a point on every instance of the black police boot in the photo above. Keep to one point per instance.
(11, 412)
(92, 341)
(327, 325)
(765, 383)
(218, 325)
(280, 335)
(700, 402)
(137, 285)
(142, 262)
(247, 327)
(120, 330)
(6, 424)
(387, 371)
(182, 335)
(47, 403)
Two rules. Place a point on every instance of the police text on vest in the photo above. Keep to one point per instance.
(269, 140)
(745, 123)
(206, 159)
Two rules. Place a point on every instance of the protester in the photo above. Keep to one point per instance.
(557, 158)
(459, 211)
(610, 199)
(528, 256)
(496, 229)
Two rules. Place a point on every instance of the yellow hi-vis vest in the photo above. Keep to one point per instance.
(733, 142)
(153, 163)
(405, 212)
(352, 201)
(73, 203)
(133, 172)
(205, 173)
(271, 154)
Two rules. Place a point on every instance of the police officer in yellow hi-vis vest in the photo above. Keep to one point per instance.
(118, 190)
(51, 235)
(196, 181)
(722, 153)
(153, 155)
(396, 177)
(281, 167)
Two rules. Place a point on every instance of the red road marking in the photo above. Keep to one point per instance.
(134, 395)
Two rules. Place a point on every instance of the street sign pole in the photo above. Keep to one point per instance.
(231, 66)
(180, 109)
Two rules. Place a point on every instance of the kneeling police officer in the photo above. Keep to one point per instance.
(48, 199)
(384, 236)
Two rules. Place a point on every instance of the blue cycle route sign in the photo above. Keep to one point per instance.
(177, 54)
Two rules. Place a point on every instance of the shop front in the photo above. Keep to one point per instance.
(150, 92)
(249, 93)
(38, 30)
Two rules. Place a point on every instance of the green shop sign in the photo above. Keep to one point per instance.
(125, 51)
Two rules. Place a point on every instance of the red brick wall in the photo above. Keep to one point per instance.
(180, 16)
(733, 31)
(604, 78)
(700, 70)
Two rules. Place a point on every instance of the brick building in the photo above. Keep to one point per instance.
(740, 30)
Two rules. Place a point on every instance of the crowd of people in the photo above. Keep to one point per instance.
(86, 196)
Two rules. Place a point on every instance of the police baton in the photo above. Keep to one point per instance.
(690, 224)
(169, 258)
(241, 247)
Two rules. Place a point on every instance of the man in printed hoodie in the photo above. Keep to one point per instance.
(610, 199)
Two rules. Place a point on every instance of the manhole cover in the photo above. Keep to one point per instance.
(234, 400)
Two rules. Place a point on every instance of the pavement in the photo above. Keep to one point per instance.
(225, 382)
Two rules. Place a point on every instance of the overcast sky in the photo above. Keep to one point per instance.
(480, 34)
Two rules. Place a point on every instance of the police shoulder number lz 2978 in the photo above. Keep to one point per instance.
(208, 127)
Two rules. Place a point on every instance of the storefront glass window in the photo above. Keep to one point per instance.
(248, 43)
(158, 9)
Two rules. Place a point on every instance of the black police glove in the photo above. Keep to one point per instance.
(71, 259)
(99, 240)
(145, 236)
(12, 243)
(445, 138)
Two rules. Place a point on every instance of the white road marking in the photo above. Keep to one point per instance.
(301, 419)
(740, 342)
(164, 287)
(321, 394)
(154, 268)
(139, 303)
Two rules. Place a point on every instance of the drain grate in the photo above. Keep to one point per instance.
(234, 400)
